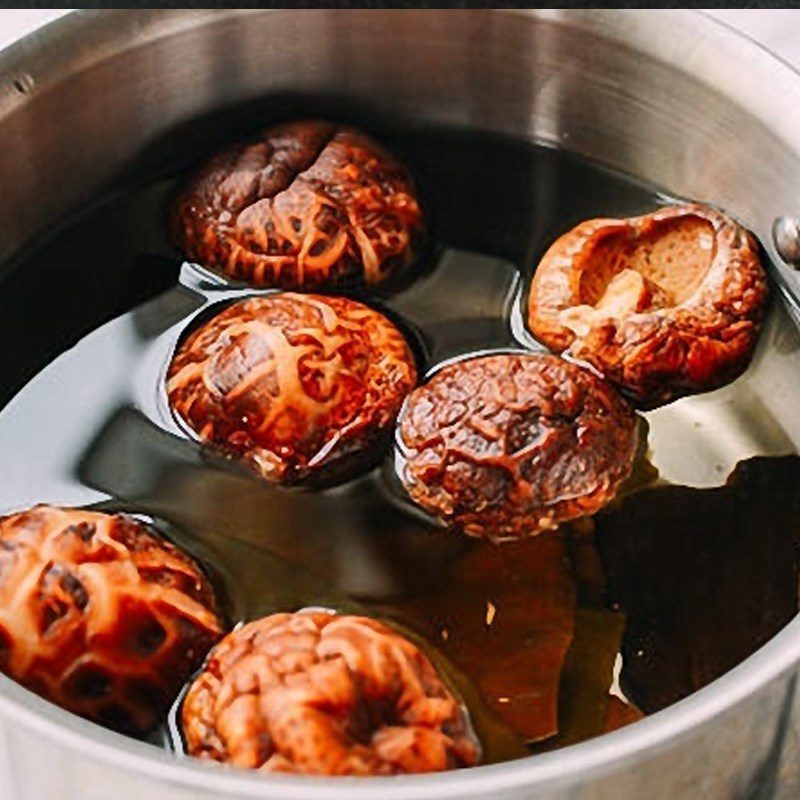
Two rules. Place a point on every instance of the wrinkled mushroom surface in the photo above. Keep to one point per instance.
(509, 445)
(306, 205)
(319, 693)
(663, 305)
(100, 615)
(300, 386)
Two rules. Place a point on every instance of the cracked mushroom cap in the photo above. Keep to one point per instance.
(300, 386)
(318, 693)
(663, 305)
(307, 205)
(101, 615)
(506, 446)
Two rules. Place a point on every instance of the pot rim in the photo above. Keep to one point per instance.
(596, 756)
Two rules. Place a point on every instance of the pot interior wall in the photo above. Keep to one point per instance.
(110, 104)
(91, 108)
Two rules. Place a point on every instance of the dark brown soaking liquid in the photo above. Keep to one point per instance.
(653, 598)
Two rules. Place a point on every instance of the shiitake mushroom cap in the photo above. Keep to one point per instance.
(663, 305)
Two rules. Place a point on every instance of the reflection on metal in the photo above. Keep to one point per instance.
(786, 235)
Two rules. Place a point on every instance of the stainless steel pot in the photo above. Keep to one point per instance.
(668, 96)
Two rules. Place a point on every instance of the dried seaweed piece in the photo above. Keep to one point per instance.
(504, 616)
(705, 576)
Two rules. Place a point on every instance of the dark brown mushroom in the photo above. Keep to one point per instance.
(506, 446)
(306, 205)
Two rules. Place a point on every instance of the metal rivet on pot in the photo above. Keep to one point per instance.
(786, 236)
(23, 83)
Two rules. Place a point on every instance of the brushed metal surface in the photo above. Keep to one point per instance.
(668, 96)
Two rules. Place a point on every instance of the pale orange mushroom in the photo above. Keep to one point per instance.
(320, 693)
(101, 615)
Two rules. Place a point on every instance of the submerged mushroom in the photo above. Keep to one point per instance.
(303, 387)
(510, 445)
(100, 615)
(306, 205)
(662, 305)
(318, 693)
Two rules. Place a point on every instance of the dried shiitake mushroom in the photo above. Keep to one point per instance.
(100, 615)
(301, 386)
(509, 445)
(319, 693)
(306, 205)
(662, 305)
